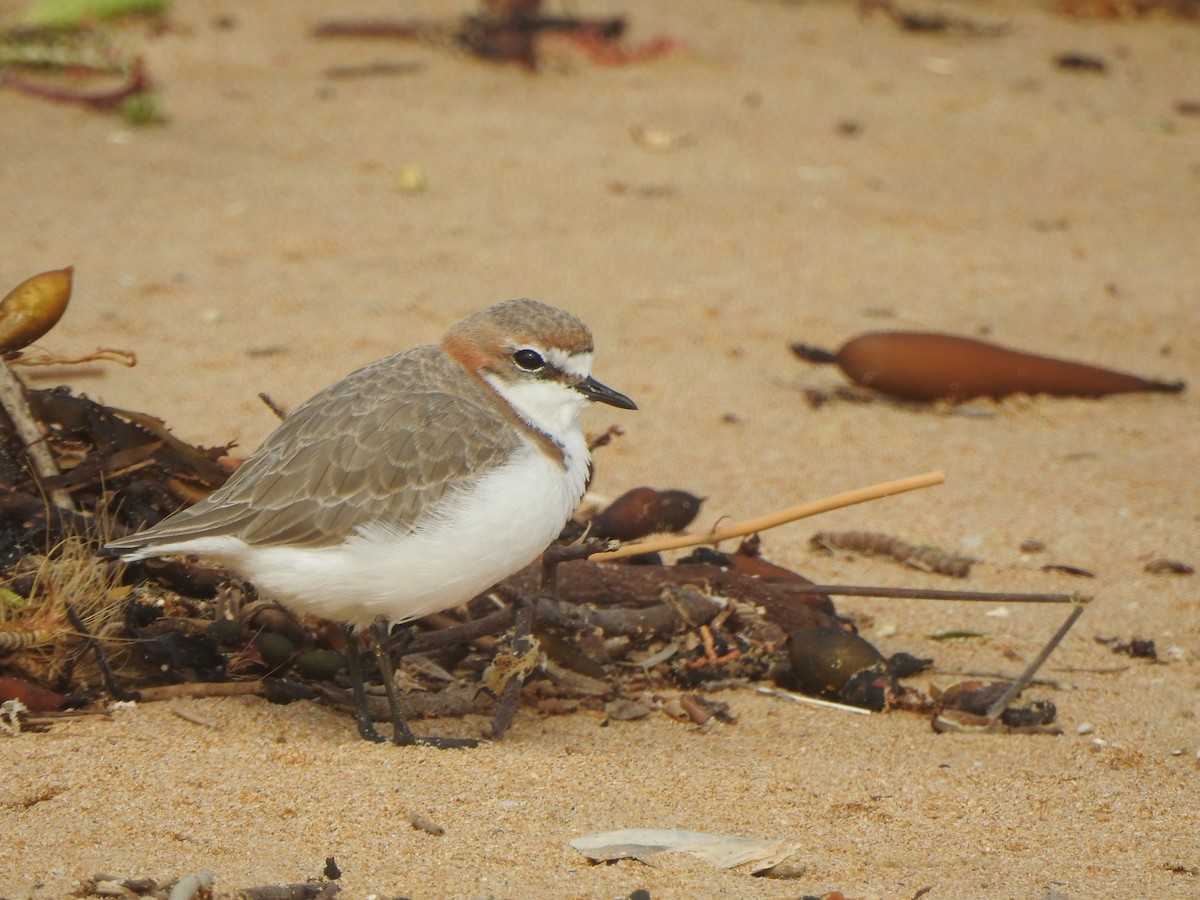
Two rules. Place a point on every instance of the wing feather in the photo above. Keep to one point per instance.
(378, 447)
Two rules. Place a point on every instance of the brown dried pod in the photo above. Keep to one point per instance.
(915, 365)
(824, 660)
(974, 696)
(646, 510)
(33, 307)
(34, 697)
(747, 561)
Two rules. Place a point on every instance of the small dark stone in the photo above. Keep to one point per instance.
(1081, 62)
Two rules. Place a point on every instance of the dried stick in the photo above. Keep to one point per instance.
(274, 407)
(12, 398)
(192, 717)
(126, 358)
(850, 590)
(781, 517)
(1001, 703)
(200, 689)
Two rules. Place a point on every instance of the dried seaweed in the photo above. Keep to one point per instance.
(509, 31)
(604, 637)
(925, 557)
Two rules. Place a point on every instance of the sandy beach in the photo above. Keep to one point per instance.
(797, 172)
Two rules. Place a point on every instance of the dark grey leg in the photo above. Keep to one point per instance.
(402, 736)
(366, 728)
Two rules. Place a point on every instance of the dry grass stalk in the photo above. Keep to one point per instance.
(775, 519)
(38, 632)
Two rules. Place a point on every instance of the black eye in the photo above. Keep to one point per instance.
(529, 360)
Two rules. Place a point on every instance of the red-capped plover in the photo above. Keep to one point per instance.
(412, 484)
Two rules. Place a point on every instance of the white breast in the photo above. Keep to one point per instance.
(475, 539)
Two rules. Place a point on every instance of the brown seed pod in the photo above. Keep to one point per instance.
(33, 307)
(645, 510)
(974, 696)
(32, 696)
(915, 365)
(823, 660)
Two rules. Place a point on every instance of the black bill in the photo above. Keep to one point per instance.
(595, 391)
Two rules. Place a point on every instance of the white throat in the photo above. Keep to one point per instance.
(549, 406)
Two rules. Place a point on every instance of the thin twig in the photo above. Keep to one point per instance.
(192, 717)
(135, 82)
(812, 701)
(1001, 702)
(12, 398)
(125, 358)
(927, 594)
(272, 405)
(781, 517)
(1004, 676)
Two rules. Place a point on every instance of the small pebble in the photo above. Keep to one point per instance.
(886, 629)
(411, 179)
(1085, 728)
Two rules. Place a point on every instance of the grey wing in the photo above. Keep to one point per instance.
(377, 447)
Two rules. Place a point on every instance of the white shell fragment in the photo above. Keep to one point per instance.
(723, 851)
